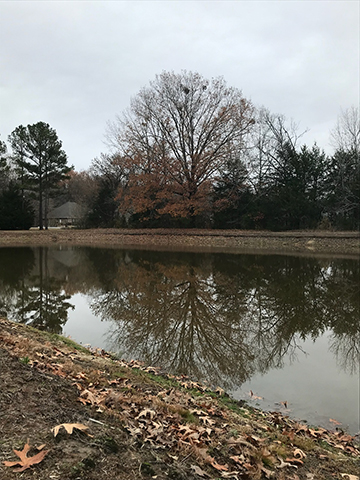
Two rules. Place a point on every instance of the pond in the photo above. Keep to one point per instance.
(281, 331)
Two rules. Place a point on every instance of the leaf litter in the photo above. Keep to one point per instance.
(200, 432)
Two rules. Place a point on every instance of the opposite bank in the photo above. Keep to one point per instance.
(294, 241)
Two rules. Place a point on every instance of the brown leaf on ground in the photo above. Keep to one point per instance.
(268, 473)
(284, 464)
(299, 453)
(230, 474)
(25, 461)
(145, 412)
(69, 427)
(199, 471)
(238, 459)
(216, 465)
(295, 460)
(289, 433)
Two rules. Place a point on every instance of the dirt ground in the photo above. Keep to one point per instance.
(296, 241)
(130, 421)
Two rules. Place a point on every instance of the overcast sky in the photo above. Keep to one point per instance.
(76, 64)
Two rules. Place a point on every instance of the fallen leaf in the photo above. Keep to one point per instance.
(346, 438)
(207, 420)
(299, 453)
(89, 397)
(25, 461)
(202, 452)
(238, 459)
(295, 460)
(187, 430)
(338, 445)
(229, 474)
(69, 427)
(217, 465)
(251, 468)
(335, 422)
(240, 441)
(133, 431)
(284, 464)
(199, 471)
(145, 412)
(290, 434)
(268, 473)
(349, 477)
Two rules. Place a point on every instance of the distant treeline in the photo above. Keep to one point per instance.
(190, 153)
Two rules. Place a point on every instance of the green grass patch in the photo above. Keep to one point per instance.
(69, 343)
(58, 339)
(24, 360)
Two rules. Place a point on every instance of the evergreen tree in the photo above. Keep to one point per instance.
(232, 196)
(296, 188)
(40, 161)
(104, 210)
(344, 189)
(16, 212)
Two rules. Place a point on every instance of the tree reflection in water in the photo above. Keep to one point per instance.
(37, 298)
(222, 317)
(169, 315)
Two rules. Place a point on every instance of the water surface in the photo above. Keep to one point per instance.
(285, 327)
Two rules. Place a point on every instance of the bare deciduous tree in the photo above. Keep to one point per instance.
(4, 168)
(272, 135)
(181, 129)
(346, 134)
(344, 178)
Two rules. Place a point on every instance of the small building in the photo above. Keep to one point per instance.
(65, 215)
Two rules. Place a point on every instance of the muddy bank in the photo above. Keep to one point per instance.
(295, 241)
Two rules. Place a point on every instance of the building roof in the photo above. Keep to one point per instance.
(67, 210)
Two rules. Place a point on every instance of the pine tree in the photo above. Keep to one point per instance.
(40, 161)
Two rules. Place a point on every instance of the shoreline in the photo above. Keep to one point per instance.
(278, 242)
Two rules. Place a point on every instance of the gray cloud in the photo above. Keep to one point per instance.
(76, 64)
